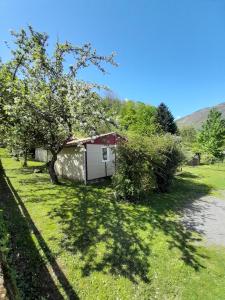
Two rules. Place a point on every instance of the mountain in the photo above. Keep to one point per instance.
(198, 117)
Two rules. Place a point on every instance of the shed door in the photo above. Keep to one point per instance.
(100, 161)
(110, 164)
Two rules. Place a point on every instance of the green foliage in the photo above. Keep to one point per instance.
(165, 119)
(112, 105)
(132, 178)
(8, 92)
(169, 150)
(188, 135)
(111, 108)
(138, 117)
(22, 129)
(189, 143)
(144, 164)
(131, 116)
(212, 136)
(208, 158)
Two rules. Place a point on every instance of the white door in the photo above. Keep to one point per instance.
(100, 161)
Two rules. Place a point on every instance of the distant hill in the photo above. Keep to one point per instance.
(198, 117)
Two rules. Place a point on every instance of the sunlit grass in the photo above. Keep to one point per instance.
(116, 250)
(211, 175)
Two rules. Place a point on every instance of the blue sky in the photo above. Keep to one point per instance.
(168, 50)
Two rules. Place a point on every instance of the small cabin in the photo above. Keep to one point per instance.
(85, 159)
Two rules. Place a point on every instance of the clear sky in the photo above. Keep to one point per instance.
(168, 50)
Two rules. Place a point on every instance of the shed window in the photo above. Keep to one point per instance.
(105, 154)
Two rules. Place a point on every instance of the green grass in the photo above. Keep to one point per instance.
(74, 241)
(211, 175)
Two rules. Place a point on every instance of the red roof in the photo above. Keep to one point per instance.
(110, 138)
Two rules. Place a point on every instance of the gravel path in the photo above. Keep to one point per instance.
(207, 217)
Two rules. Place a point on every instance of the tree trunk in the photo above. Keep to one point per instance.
(51, 169)
(25, 159)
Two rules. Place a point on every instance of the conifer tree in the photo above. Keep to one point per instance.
(166, 119)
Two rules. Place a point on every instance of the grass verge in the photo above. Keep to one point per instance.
(76, 242)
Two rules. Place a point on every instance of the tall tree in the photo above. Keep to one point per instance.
(138, 117)
(55, 97)
(165, 119)
(212, 136)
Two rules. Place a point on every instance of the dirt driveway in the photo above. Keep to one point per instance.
(207, 217)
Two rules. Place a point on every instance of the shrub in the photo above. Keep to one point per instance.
(169, 157)
(188, 155)
(209, 159)
(145, 164)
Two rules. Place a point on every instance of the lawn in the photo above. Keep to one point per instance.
(76, 242)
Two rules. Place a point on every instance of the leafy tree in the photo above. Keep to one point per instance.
(190, 148)
(139, 118)
(112, 107)
(57, 100)
(212, 136)
(8, 92)
(22, 133)
(165, 119)
(18, 128)
(127, 116)
(131, 116)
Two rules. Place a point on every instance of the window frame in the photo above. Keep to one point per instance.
(107, 149)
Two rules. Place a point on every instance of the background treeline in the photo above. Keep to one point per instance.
(138, 117)
(156, 147)
(208, 142)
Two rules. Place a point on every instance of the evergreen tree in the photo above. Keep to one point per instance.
(165, 119)
(212, 136)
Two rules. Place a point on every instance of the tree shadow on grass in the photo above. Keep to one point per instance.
(96, 228)
(32, 275)
(188, 175)
(116, 238)
(184, 193)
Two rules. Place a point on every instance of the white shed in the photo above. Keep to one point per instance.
(85, 159)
